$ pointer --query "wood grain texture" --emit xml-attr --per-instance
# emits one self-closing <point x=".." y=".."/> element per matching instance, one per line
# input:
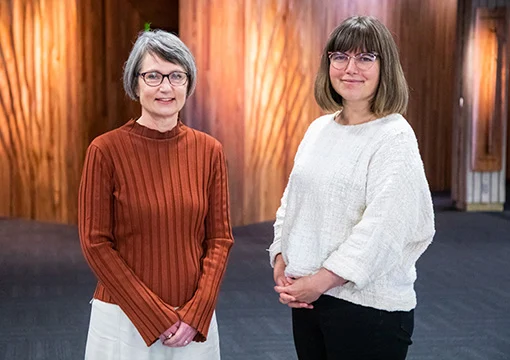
<point x="267" y="103"/>
<point x="490" y="92"/>
<point x="60" y="86"/>
<point x="468" y="185"/>
<point x="39" y="92"/>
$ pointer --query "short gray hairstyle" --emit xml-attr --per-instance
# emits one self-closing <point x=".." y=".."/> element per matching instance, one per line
<point x="165" y="45"/>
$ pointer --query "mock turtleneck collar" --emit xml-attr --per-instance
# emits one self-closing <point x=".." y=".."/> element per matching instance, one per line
<point x="136" y="128"/>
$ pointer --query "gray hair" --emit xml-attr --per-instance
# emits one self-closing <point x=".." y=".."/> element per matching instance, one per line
<point x="165" y="45"/>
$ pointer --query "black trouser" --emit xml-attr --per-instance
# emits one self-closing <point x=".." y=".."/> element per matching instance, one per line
<point x="339" y="330"/>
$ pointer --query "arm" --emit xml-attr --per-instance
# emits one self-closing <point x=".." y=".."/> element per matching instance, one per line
<point x="276" y="246"/>
<point x="398" y="214"/>
<point x="149" y="314"/>
<point x="218" y="240"/>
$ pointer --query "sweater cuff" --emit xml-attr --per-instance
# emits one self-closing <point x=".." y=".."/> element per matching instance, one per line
<point x="274" y="249"/>
<point x="151" y="335"/>
<point x="347" y="270"/>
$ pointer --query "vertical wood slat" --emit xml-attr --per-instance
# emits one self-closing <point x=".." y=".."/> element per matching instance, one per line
<point x="36" y="114"/>
<point x="489" y="90"/>
<point x="55" y="97"/>
<point x="215" y="35"/>
<point x="476" y="190"/>
<point x="281" y="41"/>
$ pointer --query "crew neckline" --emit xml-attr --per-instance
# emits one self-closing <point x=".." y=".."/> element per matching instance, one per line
<point x="135" y="128"/>
<point x="335" y="114"/>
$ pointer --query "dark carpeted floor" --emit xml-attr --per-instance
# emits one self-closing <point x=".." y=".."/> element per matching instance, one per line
<point x="463" y="293"/>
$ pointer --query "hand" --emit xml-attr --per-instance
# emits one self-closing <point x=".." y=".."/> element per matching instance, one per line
<point x="301" y="290"/>
<point x="169" y="332"/>
<point x="290" y="300"/>
<point x="307" y="289"/>
<point x="281" y="280"/>
<point x="279" y="271"/>
<point x="182" y="337"/>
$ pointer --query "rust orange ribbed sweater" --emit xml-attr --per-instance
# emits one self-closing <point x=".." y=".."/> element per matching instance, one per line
<point x="154" y="224"/>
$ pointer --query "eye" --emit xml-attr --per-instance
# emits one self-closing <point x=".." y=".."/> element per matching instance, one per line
<point x="154" y="75"/>
<point x="339" y="57"/>
<point x="367" y="57"/>
<point x="178" y="76"/>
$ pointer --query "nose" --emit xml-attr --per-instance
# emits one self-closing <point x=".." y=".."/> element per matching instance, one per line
<point x="165" y="84"/>
<point x="351" y="66"/>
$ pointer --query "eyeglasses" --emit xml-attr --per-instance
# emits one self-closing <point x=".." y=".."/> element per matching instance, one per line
<point x="155" y="78"/>
<point x="363" y="61"/>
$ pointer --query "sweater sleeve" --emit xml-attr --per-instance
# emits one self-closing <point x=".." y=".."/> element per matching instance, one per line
<point x="148" y="313"/>
<point x="198" y="311"/>
<point x="398" y="215"/>
<point x="276" y="246"/>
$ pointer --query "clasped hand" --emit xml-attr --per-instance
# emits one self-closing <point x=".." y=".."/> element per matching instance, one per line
<point x="303" y="291"/>
<point x="178" y="335"/>
<point x="296" y="293"/>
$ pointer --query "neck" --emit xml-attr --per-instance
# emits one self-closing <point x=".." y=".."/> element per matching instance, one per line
<point x="355" y="114"/>
<point x="159" y="124"/>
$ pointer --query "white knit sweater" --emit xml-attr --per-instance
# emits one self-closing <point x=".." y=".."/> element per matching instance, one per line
<point x="358" y="204"/>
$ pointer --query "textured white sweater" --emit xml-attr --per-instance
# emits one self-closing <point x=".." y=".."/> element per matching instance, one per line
<point x="358" y="204"/>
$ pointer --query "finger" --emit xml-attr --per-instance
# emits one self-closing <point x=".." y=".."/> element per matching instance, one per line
<point x="289" y="280"/>
<point x="176" y="339"/>
<point x="299" y="305"/>
<point x="287" y="297"/>
<point x="282" y="289"/>
<point x="280" y="281"/>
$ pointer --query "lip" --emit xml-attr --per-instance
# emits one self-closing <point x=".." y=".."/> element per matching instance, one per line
<point x="165" y="100"/>
<point x="352" y="81"/>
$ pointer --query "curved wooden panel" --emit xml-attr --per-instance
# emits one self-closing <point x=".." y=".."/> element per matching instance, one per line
<point x="39" y="92"/>
<point x="281" y="41"/>
<point x="60" y="86"/>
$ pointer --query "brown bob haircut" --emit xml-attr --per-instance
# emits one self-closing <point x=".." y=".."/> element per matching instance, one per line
<point x="365" y="34"/>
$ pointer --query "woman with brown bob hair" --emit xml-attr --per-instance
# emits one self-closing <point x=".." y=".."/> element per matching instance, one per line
<point x="357" y="211"/>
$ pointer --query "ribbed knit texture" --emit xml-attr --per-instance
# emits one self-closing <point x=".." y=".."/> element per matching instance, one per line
<point x="154" y="224"/>
<point x="358" y="204"/>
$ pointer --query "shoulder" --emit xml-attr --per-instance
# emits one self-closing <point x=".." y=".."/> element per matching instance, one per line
<point x="318" y="125"/>
<point x="395" y="124"/>
<point x="321" y="122"/>
<point x="394" y="128"/>
<point x="106" y="142"/>
<point x="203" y="139"/>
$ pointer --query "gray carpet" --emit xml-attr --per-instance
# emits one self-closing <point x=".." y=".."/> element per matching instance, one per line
<point x="463" y="293"/>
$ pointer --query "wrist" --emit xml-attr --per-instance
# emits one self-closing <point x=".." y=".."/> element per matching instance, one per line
<point x="327" y="280"/>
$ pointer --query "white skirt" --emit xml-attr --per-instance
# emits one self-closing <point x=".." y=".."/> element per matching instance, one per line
<point x="112" y="336"/>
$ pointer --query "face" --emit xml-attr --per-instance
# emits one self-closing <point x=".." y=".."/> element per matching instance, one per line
<point x="355" y="85"/>
<point x="162" y="102"/>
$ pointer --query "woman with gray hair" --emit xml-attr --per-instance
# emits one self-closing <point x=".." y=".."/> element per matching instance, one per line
<point x="154" y="219"/>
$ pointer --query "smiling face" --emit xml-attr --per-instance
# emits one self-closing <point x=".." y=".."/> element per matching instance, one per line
<point x="160" y="103"/>
<point x="355" y="85"/>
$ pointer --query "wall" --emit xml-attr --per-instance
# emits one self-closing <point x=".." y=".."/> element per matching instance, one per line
<point x="60" y="86"/>
<point x="257" y="62"/>
<point x="476" y="190"/>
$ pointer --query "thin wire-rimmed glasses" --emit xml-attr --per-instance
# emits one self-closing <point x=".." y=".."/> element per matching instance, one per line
<point x="155" y="78"/>
<point x="363" y="61"/>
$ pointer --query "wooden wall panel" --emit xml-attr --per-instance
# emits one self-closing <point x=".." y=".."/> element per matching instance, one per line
<point x="281" y="41"/>
<point x="473" y="190"/>
<point x="257" y="62"/>
<point x="60" y="86"/>
<point x="39" y="92"/>
<point x="215" y="35"/>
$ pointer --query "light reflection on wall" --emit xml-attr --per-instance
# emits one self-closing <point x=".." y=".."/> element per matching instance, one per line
<point x="489" y="48"/>
<point x="38" y="89"/>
